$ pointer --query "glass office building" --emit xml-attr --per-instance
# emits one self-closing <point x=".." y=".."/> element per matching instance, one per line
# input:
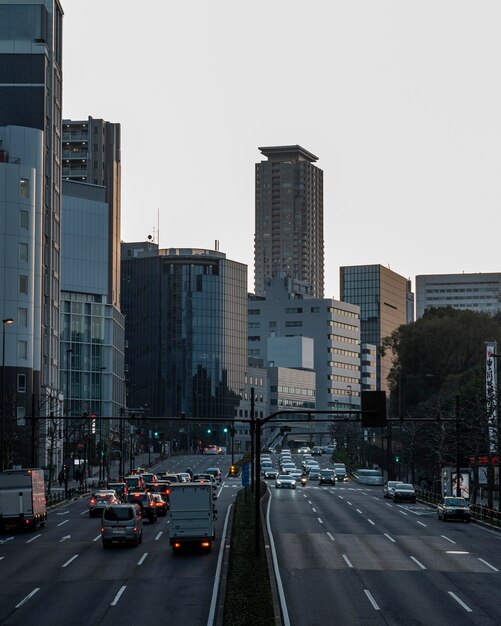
<point x="186" y="330"/>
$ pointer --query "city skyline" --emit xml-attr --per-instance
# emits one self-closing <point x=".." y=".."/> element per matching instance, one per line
<point x="398" y="102"/>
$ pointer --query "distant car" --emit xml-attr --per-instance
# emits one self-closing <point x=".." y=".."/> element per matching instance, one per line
<point x="120" y="489"/>
<point x="147" y="503"/>
<point x="185" y="477"/>
<point x="148" y="477"/>
<point x="296" y="474"/>
<point x="369" y="477"/>
<point x="340" y="471"/>
<point x="284" y="481"/>
<point x="270" y="472"/>
<point x="404" y="492"/>
<point x="210" y="450"/>
<point x="134" y="482"/>
<point x="304" y="450"/>
<point x="216" y="472"/>
<point x="160" y="504"/>
<point x="327" y="477"/>
<point x="314" y="473"/>
<point x="330" y="448"/>
<point x="453" y="508"/>
<point x="389" y="488"/>
<point x="206" y="477"/>
<point x="316" y="451"/>
<point x="121" y="523"/>
<point x="100" y="500"/>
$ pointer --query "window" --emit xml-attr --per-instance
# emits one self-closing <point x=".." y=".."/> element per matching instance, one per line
<point x="21" y="415"/>
<point x="22" y="318"/>
<point x="23" y="220"/>
<point x="23" y="284"/>
<point x="292" y="324"/>
<point x="254" y="311"/>
<point x="21" y="383"/>
<point x="23" y="252"/>
<point x="24" y="188"/>
<point x="22" y="349"/>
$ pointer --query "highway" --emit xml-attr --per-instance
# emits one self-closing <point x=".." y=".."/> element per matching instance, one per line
<point x="348" y="556"/>
<point x="61" y="575"/>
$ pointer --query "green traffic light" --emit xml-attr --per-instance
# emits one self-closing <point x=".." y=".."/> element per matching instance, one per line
<point x="209" y="431"/>
<point x="225" y="430"/>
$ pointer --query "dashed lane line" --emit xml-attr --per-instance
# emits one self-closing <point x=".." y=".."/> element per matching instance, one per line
<point x="460" y="602"/>
<point x="30" y="595"/>
<point x="347" y="560"/>
<point x="413" y="558"/>
<point x="488" y="565"/>
<point x="117" y="597"/>
<point x="371" y="599"/>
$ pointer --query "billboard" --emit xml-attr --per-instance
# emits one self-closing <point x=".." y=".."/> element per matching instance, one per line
<point x="449" y="482"/>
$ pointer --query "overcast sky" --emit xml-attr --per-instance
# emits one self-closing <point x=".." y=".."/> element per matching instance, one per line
<point x="400" y="101"/>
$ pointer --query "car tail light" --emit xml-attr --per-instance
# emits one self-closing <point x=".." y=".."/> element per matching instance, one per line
<point x="167" y="491"/>
<point x="93" y="500"/>
<point x="205" y="544"/>
<point x="177" y="545"/>
<point x="102" y="530"/>
<point x="135" y="529"/>
<point x="26" y="521"/>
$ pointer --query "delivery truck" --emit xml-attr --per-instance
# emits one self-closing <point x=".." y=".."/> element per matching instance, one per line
<point x="22" y="499"/>
<point x="192" y="515"/>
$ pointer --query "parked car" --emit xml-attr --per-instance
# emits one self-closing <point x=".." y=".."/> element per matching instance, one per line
<point x="389" y="488"/>
<point x="453" y="508"/>
<point x="404" y="492"/>
<point x="121" y="523"/>
<point x="284" y="481"/>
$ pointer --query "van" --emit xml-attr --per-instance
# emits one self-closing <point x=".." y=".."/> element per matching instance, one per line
<point x="122" y="523"/>
<point x="340" y="471"/>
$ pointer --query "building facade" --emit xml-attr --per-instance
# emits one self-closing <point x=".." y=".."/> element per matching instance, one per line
<point x="186" y="330"/>
<point x="476" y="292"/>
<point x="30" y="166"/>
<point x="289" y="226"/>
<point x="383" y="297"/>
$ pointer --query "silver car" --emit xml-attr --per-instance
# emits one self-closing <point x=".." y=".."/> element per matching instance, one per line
<point x="284" y="481"/>
<point x="122" y="523"/>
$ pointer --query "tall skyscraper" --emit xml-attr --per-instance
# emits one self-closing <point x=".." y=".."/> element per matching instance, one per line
<point x="30" y="208"/>
<point x="384" y="298"/>
<point x="289" y="231"/>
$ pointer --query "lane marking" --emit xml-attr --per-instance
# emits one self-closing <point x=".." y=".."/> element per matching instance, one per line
<point x="447" y="538"/>
<point x="349" y="503"/>
<point x="98" y="537"/>
<point x="1" y="558"/>
<point x="65" y="522"/>
<point x="141" y="560"/>
<point x="371" y="599"/>
<point x="117" y="597"/>
<point x="388" y="504"/>
<point x="330" y="536"/>
<point x="371" y="522"/>
<point x="488" y="565"/>
<point x="310" y="502"/>
<point x="413" y="558"/>
<point x="375" y="497"/>
<point x="348" y="562"/>
<point x="390" y="538"/>
<point x="84" y="513"/>
<point x="159" y="535"/>
<point x="70" y="560"/>
<point x="33" y="538"/>
<point x="313" y="509"/>
<point x="341" y="497"/>
<point x="456" y="552"/>
<point x="215" y="590"/>
<point x="358" y="511"/>
<point x="459" y="601"/>
<point x="30" y="595"/>
<point x="421" y="523"/>
<point x="319" y="520"/>
<point x="403" y="512"/>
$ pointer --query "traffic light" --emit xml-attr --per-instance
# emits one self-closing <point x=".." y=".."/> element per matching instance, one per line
<point x="225" y="430"/>
<point x="232" y="470"/>
<point x="209" y="431"/>
<point x="155" y="434"/>
<point x="397" y="458"/>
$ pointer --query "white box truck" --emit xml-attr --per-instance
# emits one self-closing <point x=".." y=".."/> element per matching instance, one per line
<point x="22" y="499"/>
<point x="192" y="515"/>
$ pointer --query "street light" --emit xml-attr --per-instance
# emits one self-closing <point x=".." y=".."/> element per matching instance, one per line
<point x="5" y="323"/>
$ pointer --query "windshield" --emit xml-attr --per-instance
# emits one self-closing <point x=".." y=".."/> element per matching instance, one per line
<point x="403" y="486"/>
<point x="327" y="473"/>
<point x="455" y="502"/>
<point x="118" y="514"/>
<point x="284" y="477"/>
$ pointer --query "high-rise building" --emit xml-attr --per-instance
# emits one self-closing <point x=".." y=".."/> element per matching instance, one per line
<point x="475" y="292"/>
<point x="30" y="212"/>
<point x="384" y="298"/>
<point x="186" y="329"/>
<point x="289" y="230"/>
<point x="92" y="155"/>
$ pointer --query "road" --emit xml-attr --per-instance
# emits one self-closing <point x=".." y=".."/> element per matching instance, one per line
<point x="61" y="575"/>
<point x="348" y="556"/>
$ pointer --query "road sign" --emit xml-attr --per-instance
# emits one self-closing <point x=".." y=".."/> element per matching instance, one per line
<point x="245" y="475"/>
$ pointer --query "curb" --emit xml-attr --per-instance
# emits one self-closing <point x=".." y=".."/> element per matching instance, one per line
<point x="219" y="617"/>
<point x="271" y="570"/>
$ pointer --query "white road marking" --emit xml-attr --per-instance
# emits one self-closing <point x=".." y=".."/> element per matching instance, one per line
<point x="444" y="537"/>
<point x="310" y="502"/>
<point x="375" y="497"/>
<point x="421" y="523"/>
<point x="33" y="538"/>
<point x="341" y="497"/>
<point x="348" y="562"/>
<point x="456" y="552"/>
<point x="459" y="601"/>
<point x="63" y="513"/>
<point x="371" y="522"/>
<point x="159" y="535"/>
<point x="117" y="597"/>
<point x="1" y="558"/>
<point x="371" y="599"/>
<point x="388" y="504"/>
<point x="84" y="512"/>
<point x="70" y="560"/>
<point x="64" y="538"/>
<point x="314" y="509"/>
<point x="358" y="511"/>
<point x="65" y="522"/>
<point x="488" y="565"/>
<point x="349" y="503"/>
<point x="215" y="590"/>
<point x="390" y="538"/>
<point x="141" y="560"/>
<point x="330" y="536"/>
<point x="319" y="520"/>
<point x="27" y="597"/>
<point x="98" y="537"/>
<point x="403" y="512"/>
<point x="413" y="558"/>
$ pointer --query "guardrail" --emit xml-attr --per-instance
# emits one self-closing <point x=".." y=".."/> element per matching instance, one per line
<point x="478" y="511"/>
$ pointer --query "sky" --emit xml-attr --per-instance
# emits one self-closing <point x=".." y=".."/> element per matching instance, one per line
<point x="400" y="101"/>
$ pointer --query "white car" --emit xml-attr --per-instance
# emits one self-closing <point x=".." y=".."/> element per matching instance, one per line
<point x="285" y="482"/>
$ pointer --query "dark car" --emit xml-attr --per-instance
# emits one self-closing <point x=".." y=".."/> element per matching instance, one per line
<point x="327" y="477"/>
<point x="122" y="523"/>
<point x="404" y="492"/>
<point x="453" y="508"/>
<point x="216" y="472"/>
<point x="121" y="489"/>
<point x="389" y="488"/>
<point x="134" y="482"/>
<point x="160" y="504"/>
<point x="314" y="473"/>
<point x="147" y="503"/>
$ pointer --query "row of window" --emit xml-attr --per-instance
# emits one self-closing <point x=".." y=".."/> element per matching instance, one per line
<point x="342" y="325"/>
<point x="298" y="391"/>
<point x="343" y="339"/>
<point x="313" y="309"/>
<point x="344" y="366"/>
<point x="343" y="392"/>
<point x="333" y="309"/>
<point x="342" y="352"/>
<point x="343" y="379"/>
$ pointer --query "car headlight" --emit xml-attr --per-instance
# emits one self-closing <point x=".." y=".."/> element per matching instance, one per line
<point x="279" y="482"/>
<point x="293" y="482"/>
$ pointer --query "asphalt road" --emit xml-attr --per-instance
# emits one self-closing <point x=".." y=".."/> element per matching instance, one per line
<point x="61" y="575"/>
<point x="348" y="556"/>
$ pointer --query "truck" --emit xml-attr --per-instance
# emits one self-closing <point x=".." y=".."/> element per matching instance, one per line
<point x="192" y="516"/>
<point x="22" y="499"/>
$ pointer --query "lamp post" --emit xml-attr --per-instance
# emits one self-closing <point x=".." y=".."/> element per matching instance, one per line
<point x="66" y="425"/>
<point x="5" y="323"/>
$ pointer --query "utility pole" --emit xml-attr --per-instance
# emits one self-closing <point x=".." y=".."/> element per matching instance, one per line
<point x="252" y="434"/>
<point x="458" y="464"/>
<point x="257" y="491"/>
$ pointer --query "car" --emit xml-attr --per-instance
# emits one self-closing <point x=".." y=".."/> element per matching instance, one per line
<point x="270" y="472"/>
<point x="389" y="488"/>
<point x="147" y="503"/>
<point x="330" y="448"/>
<point x="135" y="482"/>
<point x="160" y="504"/>
<point x="216" y="472"/>
<point x="185" y="477"/>
<point x="288" y="468"/>
<point x="404" y="492"/>
<point x="121" y="523"/>
<point x="163" y="488"/>
<point x="211" y="449"/>
<point x="100" y="500"/>
<point x="369" y="477"/>
<point x="283" y="481"/>
<point x="304" y="450"/>
<point x="171" y="478"/>
<point x="296" y="474"/>
<point x="120" y="489"/>
<point x="206" y="478"/>
<point x="316" y="451"/>
<point x="327" y="477"/>
<point x="149" y="477"/>
<point x="453" y="507"/>
<point x="314" y="473"/>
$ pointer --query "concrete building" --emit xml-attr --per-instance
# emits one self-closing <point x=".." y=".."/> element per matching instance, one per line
<point x="384" y="298"/>
<point x="30" y="217"/>
<point x="476" y="292"/>
<point x="289" y="237"/>
<point x="186" y="330"/>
